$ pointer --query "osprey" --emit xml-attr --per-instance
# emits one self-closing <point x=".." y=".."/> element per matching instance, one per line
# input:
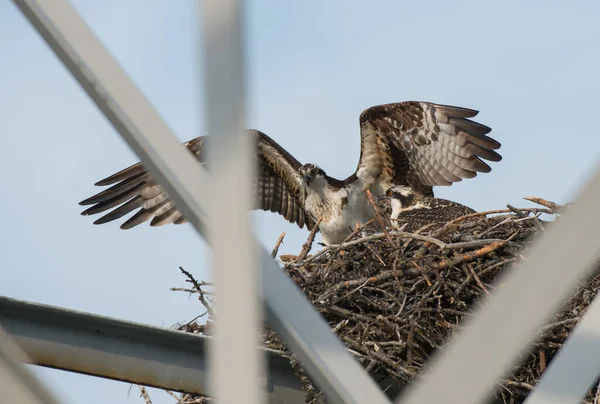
<point x="413" y="211"/>
<point x="416" y="144"/>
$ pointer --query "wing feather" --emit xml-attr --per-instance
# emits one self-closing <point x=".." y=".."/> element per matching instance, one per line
<point x="277" y="189"/>
<point x="421" y="144"/>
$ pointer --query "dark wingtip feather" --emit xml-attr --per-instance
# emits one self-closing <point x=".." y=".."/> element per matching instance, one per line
<point x="460" y="112"/>
<point x="121" y="211"/>
<point x="103" y="220"/>
<point x="121" y="175"/>
<point x="471" y="127"/>
<point x="88" y="211"/>
<point x="109" y="199"/>
<point x="479" y="165"/>
<point x="140" y="217"/>
<point x="88" y="201"/>
<point x="491" y="156"/>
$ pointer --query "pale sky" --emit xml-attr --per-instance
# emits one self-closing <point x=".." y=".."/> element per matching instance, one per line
<point x="530" y="68"/>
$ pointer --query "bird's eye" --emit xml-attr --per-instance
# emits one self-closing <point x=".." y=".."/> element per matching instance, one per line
<point x="390" y="193"/>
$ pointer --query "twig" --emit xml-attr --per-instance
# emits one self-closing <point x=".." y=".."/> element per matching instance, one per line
<point x="597" y="395"/>
<point x="481" y="285"/>
<point x="376" y="255"/>
<point x="542" y="361"/>
<point x="555" y="207"/>
<point x="519" y="384"/>
<point x="522" y="215"/>
<point x="420" y="270"/>
<point x="378" y="215"/>
<point x="493" y="212"/>
<point x="518" y="211"/>
<point x="277" y="245"/>
<point x="353" y="291"/>
<point x="169" y="392"/>
<point x="144" y="394"/>
<point x="550" y="326"/>
<point x="494" y="227"/>
<point x="311" y="395"/>
<point x="406" y="374"/>
<point x="471" y="256"/>
<point x="198" y="287"/>
<point x="308" y="245"/>
<point x="188" y="290"/>
<point x="357" y="230"/>
<point x="461" y="287"/>
<point x="439" y="243"/>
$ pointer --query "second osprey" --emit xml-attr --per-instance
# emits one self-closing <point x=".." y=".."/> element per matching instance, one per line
<point x="415" y="144"/>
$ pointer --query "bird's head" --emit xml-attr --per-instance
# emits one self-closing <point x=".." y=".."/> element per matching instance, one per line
<point x="399" y="197"/>
<point x="311" y="173"/>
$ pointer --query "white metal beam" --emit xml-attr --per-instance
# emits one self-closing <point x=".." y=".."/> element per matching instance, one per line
<point x="294" y="318"/>
<point x="575" y="367"/>
<point x="492" y="341"/>
<point x="17" y="384"/>
<point x="234" y="354"/>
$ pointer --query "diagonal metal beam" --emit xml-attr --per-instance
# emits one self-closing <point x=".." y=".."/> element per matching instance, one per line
<point x="530" y="294"/>
<point x="17" y="384"/>
<point x="293" y="317"/>
<point x="233" y="355"/>
<point x="575" y="367"/>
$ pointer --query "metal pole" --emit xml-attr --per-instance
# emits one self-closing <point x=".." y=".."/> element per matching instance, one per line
<point x="235" y="358"/>
<point x="575" y="367"/>
<point x="306" y="333"/>
<point x="17" y="384"/>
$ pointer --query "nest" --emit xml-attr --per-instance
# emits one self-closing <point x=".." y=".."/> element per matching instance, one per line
<point x="396" y="298"/>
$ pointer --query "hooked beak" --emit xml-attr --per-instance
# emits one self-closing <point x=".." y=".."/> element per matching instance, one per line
<point x="306" y="179"/>
<point x="384" y="201"/>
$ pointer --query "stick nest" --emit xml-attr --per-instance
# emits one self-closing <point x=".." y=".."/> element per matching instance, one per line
<point x="397" y="299"/>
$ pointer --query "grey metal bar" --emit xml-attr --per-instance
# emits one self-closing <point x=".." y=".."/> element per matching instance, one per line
<point x="293" y="317"/>
<point x="122" y="350"/>
<point x="491" y="342"/>
<point x="575" y="367"/>
<point x="17" y="384"/>
<point x="235" y="358"/>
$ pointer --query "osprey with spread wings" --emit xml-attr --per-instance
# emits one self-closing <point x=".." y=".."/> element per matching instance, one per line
<point x="415" y="144"/>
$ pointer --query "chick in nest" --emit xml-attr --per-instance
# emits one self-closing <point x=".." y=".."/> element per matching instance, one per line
<point x="411" y="210"/>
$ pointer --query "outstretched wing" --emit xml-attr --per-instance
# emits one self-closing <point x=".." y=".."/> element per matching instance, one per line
<point x="422" y="145"/>
<point x="277" y="189"/>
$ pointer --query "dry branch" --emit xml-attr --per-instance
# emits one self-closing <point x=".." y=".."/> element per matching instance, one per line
<point x="277" y="245"/>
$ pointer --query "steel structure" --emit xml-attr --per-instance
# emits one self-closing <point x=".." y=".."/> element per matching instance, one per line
<point x="136" y="353"/>
<point x="464" y="373"/>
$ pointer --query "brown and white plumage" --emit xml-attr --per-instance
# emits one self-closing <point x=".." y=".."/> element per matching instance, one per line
<point x="411" y="210"/>
<point x="277" y="188"/>
<point x="421" y="145"/>
<point x="416" y="144"/>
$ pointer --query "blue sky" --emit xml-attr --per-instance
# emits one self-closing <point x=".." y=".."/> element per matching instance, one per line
<point x="313" y="66"/>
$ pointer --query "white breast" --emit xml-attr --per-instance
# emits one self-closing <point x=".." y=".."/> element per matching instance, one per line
<point x="337" y="226"/>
